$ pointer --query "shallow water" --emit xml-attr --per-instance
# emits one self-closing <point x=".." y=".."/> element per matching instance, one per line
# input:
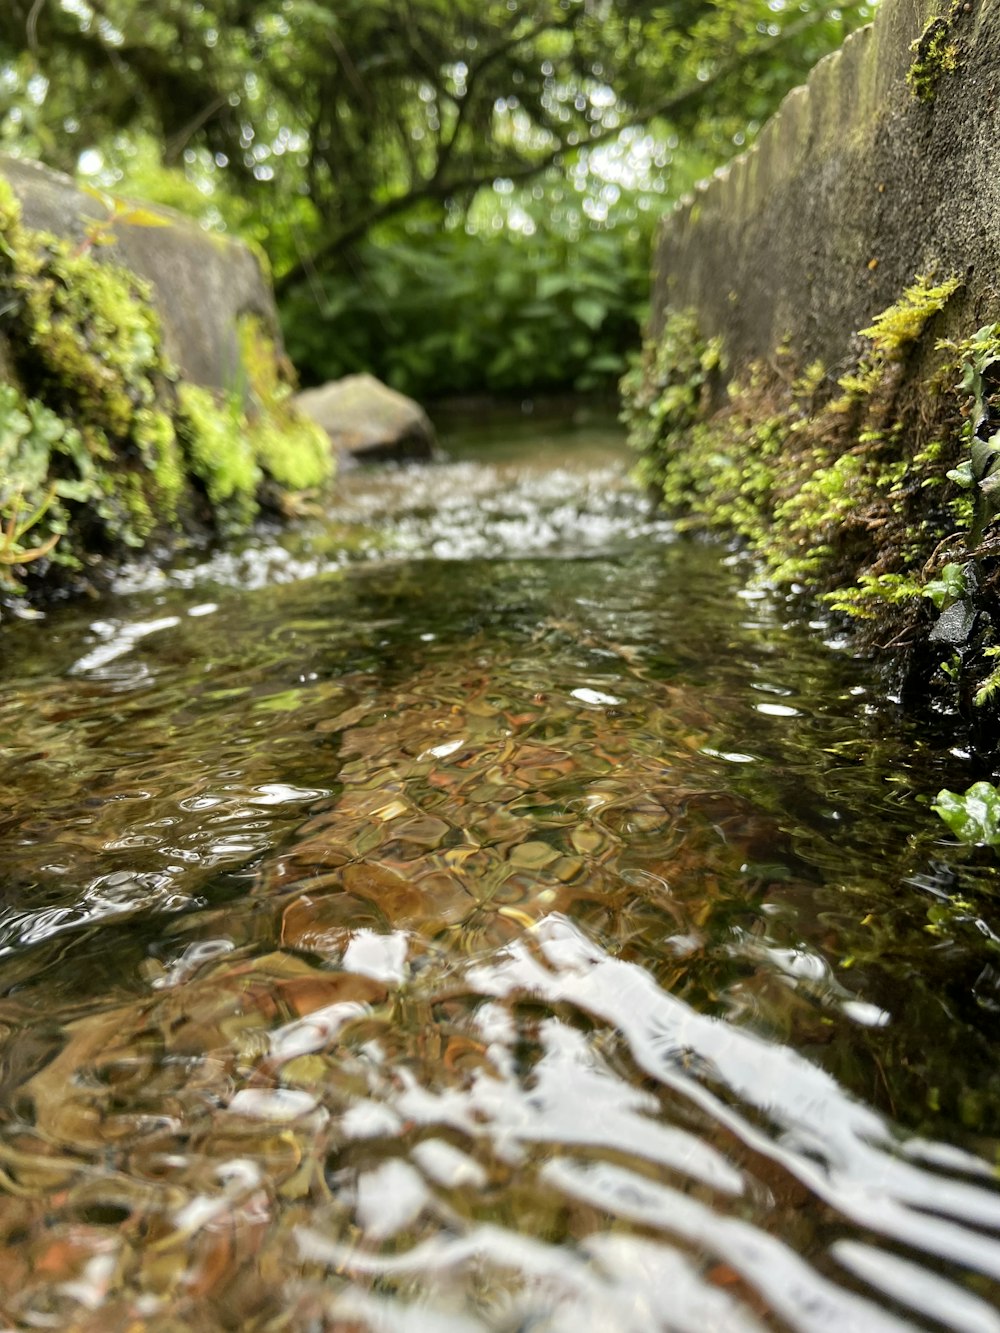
<point x="483" y="909"/>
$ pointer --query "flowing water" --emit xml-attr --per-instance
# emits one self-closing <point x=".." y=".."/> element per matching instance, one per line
<point x="483" y="909"/>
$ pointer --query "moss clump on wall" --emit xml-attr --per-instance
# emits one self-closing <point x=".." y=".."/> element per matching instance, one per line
<point x="102" y="450"/>
<point x="936" y="54"/>
<point x="877" y="491"/>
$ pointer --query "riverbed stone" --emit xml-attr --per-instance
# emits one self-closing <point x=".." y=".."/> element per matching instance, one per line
<point x="367" y="421"/>
<point x="203" y="283"/>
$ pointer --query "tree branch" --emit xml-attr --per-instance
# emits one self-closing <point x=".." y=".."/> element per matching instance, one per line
<point x="440" y="186"/>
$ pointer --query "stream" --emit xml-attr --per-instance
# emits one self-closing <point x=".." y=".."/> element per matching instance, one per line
<point x="483" y="908"/>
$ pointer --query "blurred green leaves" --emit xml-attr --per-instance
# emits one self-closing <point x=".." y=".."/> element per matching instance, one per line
<point x="353" y="140"/>
<point x="438" y="312"/>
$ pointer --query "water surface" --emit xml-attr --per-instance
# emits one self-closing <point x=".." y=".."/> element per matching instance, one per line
<point x="481" y="909"/>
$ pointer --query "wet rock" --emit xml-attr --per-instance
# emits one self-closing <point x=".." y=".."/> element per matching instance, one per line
<point x="368" y="421"/>
<point x="202" y="283"/>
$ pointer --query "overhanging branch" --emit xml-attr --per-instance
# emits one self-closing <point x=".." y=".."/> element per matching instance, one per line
<point x="440" y="185"/>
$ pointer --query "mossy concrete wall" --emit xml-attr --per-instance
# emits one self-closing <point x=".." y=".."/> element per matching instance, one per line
<point x="853" y="188"/>
<point x="202" y="283"/>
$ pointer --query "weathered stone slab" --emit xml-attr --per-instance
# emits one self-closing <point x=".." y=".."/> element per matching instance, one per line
<point x="202" y="282"/>
<point x="852" y="189"/>
<point x="368" y="421"/>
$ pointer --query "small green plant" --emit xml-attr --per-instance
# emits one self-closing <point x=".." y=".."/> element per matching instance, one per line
<point x="973" y="816"/>
<point x="12" y="549"/>
<point x="664" y="395"/>
<point x="30" y="501"/>
<point x="949" y="587"/>
<point x="991" y="684"/>
<point x="980" y="472"/>
<point x="101" y="231"/>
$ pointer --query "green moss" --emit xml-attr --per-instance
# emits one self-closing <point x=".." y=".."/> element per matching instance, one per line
<point x="855" y="491"/>
<point x="289" y="448"/>
<point x="10" y="221"/>
<point x="935" y="54"/>
<point x="895" y="330"/>
<point x="219" y="453"/>
<point x="156" y="438"/>
<point x="96" y="338"/>
<point x="868" y="598"/>
<point x="86" y="343"/>
<point x="801" y="479"/>
<point x="879" y="493"/>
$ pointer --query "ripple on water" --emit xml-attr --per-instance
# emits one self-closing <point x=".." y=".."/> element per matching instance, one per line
<point x="494" y="944"/>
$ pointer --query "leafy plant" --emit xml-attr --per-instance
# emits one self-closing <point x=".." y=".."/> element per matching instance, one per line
<point x="973" y="816"/>
<point x="434" y="312"/>
<point x="949" y="587"/>
<point x="30" y="502"/>
<point x="101" y="231"/>
<point x="980" y="472"/>
<point x="12" y="551"/>
<point x="664" y="394"/>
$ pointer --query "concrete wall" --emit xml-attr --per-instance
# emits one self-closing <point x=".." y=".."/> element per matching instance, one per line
<point x="851" y="189"/>
<point x="202" y="282"/>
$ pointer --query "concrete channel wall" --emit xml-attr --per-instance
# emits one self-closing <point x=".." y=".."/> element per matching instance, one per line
<point x="853" y="188"/>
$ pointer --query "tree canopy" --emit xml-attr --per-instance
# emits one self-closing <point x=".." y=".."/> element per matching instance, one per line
<point x="313" y="123"/>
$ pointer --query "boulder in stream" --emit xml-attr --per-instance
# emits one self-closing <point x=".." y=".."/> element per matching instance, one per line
<point x="368" y="421"/>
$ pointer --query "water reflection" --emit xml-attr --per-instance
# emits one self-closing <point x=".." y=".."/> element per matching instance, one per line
<point x="483" y="943"/>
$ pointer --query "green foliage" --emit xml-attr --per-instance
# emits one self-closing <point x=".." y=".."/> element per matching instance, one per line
<point x="861" y="499"/>
<point x="665" y="392"/>
<point x="312" y="127"/>
<point x="86" y="345"/>
<point x="979" y="473"/>
<point x="949" y="587"/>
<point x="804" y="482"/>
<point x="989" y="687"/>
<point x="973" y="816"/>
<point x="29" y="501"/>
<point x="435" y="312"/>
<point x="868" y="598"/>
